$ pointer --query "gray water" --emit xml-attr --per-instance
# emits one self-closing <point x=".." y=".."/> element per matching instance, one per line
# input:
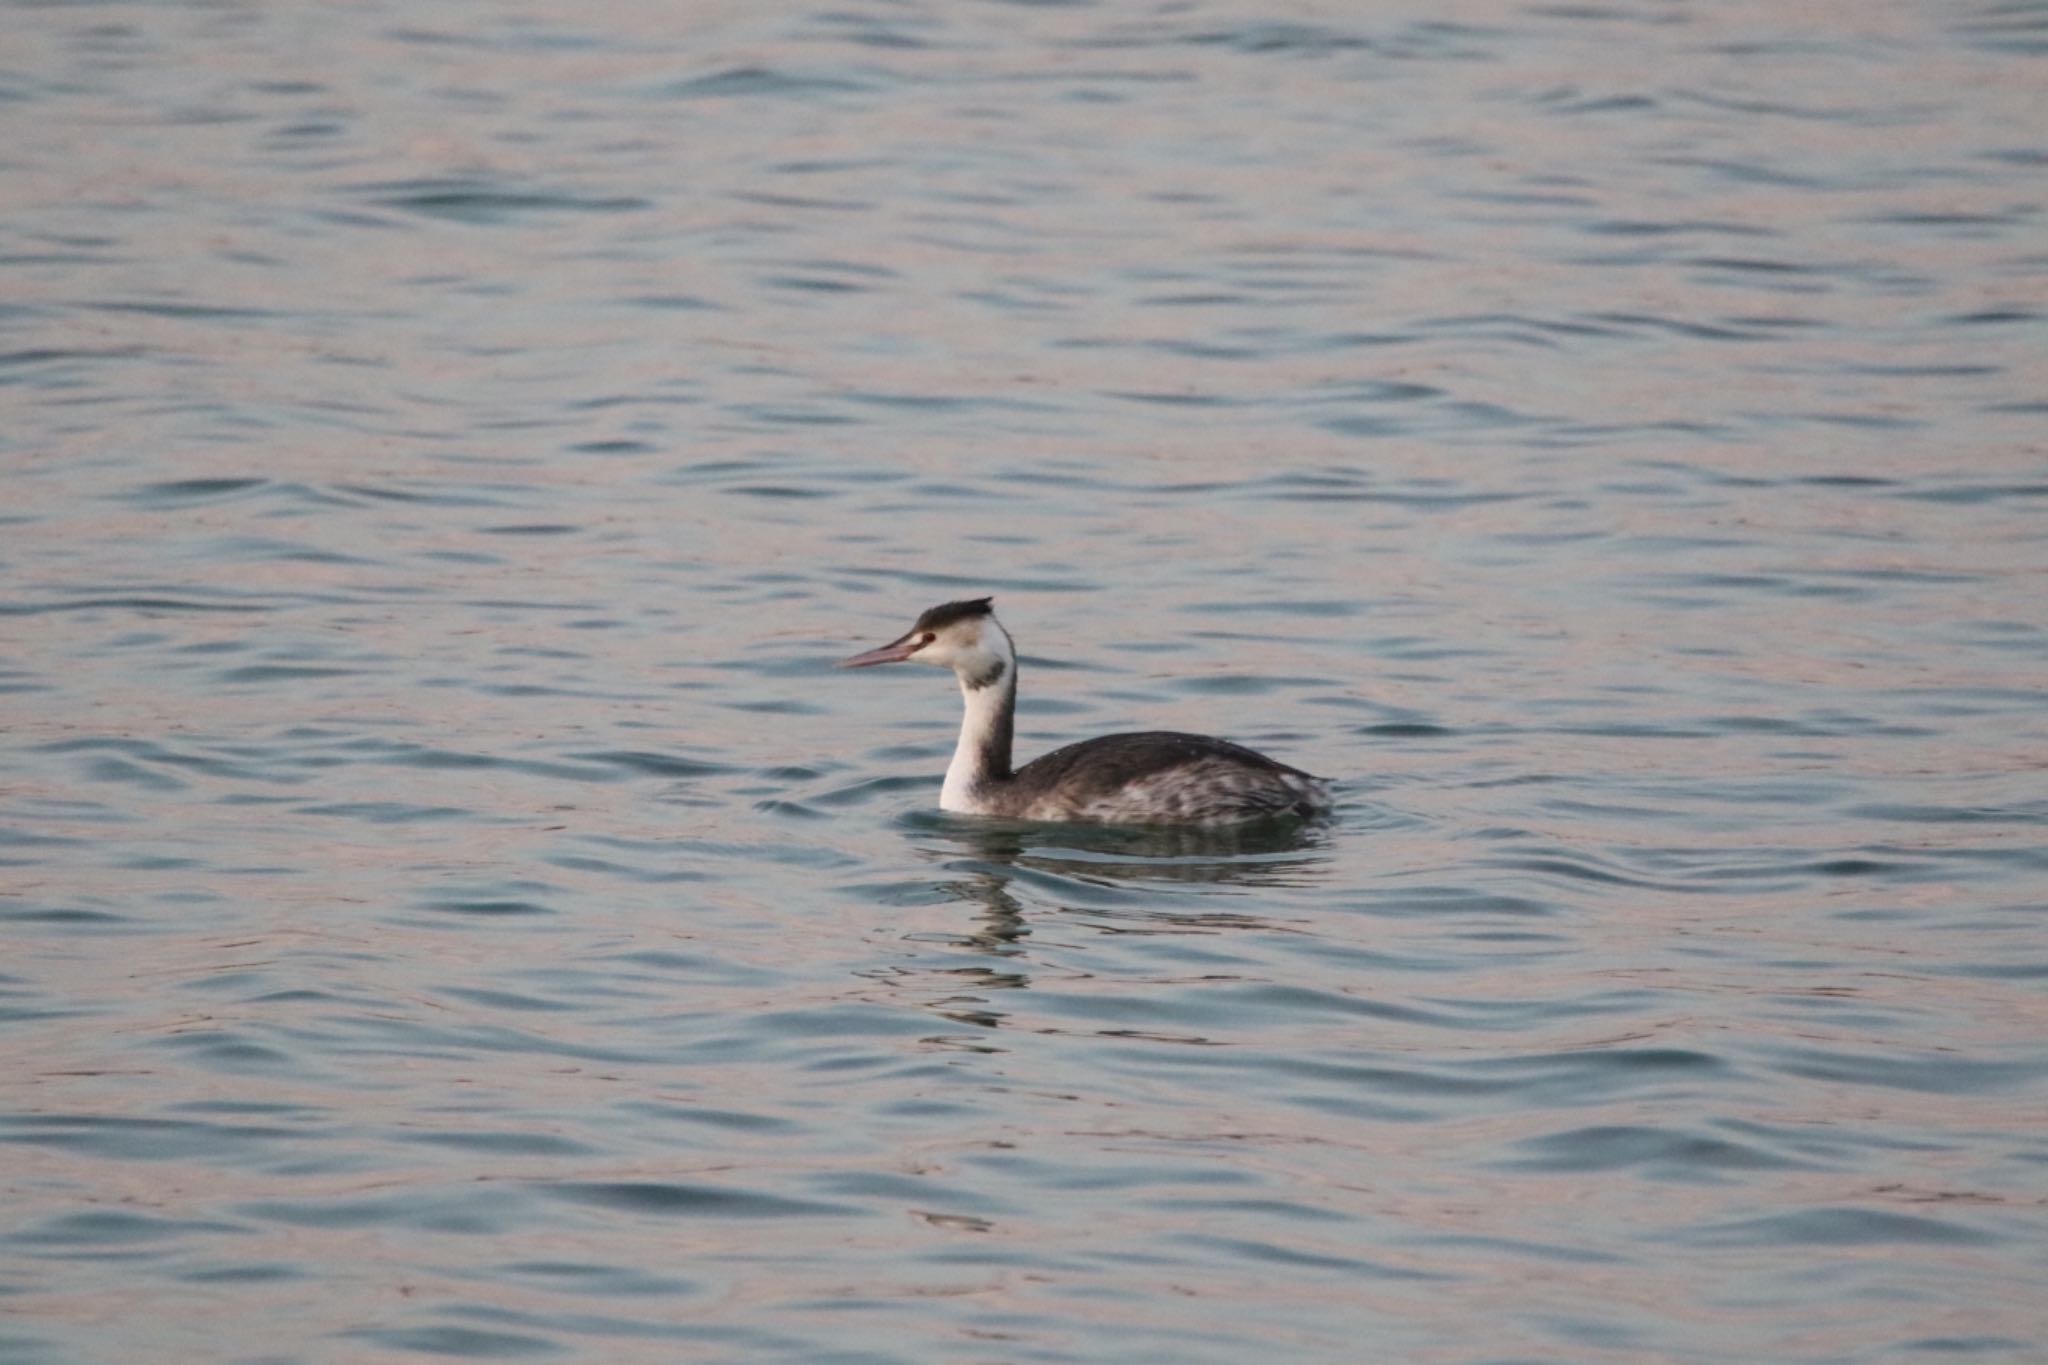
<point x="452" y="908"/>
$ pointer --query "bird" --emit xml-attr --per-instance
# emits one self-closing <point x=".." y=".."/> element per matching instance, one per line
<point x="1152" y="777"/>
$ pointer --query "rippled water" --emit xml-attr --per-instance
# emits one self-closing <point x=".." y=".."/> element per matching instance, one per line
<point x="452" y="909"/>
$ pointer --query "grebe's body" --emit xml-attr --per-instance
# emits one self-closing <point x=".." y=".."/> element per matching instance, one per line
<point x="1158" y="777"/>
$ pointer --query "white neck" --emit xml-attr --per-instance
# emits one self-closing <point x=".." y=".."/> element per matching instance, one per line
<point x="981" y="760"/>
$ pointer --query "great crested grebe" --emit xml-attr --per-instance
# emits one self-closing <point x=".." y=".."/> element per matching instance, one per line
<point x="1157" y="777"/>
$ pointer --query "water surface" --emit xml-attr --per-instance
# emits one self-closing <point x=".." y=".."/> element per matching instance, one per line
<point x="451" y="907"/>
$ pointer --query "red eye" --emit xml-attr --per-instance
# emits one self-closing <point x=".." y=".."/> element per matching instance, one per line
<point x="929" y="637"/>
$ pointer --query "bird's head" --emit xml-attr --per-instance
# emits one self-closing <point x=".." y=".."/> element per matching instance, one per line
<point x="962" y="636"/>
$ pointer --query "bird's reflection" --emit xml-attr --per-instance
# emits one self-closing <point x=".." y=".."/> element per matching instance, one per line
<point x="1269" y="853"/>
<point x="1090" y="860"/>
<point x="999" y="915"/>
<point x="1122" y="879"/>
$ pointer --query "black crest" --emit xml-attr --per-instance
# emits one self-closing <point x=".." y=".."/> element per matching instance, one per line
<point x="938" y="618"/>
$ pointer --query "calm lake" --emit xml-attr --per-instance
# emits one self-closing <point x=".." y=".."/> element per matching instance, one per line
<point x="451" y="907"/>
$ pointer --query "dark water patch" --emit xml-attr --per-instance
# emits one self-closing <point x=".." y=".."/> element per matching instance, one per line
<point x="402" y="753"/>
<point x="26" y="366"/>
<point x="1994" y="317"/>
<point x="1530" y="1250"/>
<point x="270" y="549"/>
<point x="1405" y="730"/>
<point x="1289" y="1210"/>
<point x="502" y="999"/>
<point x="1658" y="1153"/>
<point x="861" y="793"/>
<point x="113" y="1230"/>
<point x="2009" y="27"/>
<point x="1691" y="329"/>
<point x="492" y="909"/>
<point x="1866" y="115"/>
<point x="420" y="493"/>
<point x="989" y="581"/>
<point x="139" y="1139"/>
<point x="231" y="1051"/>
<point x="650" y="764"/>
<point x="668" y="965"/>
<point x="946" y="404"/>
<point x="735" y="1120"/>
<point x="675" y="303"/>
<point x="1179" y="399"/>
<point x="487" y="201"/>
<point x="790" y="810"/>
<point x="757" y="82"/>
<point x="120" y="770"/>
<point x="148" y="605"/>
<point x="490" y="1208"/>
<point x="1965" y="1345"/>
<point x="1243" y="684"/>
<point x="2031" y="813"/>
<point x="1279" y="37"/>
<point x="2028" y="970"/>
<point x="528" y="605"/>
<point x="1543" y="333"/>
<point x="61" y="916"/>
<point x="420" y="1038"/>
<point x="518" y="1334"/>
<point x="182" y="491"/>
<point x="1110" y="849"/>
<point x="1275" y="1001"/>
<point x="1567" y="1078"/>
<point x="1651" y="227"/>
<point x="1061" y="883"/>
<point x="1873" y="421"/>
<point x="1576" y="1076"/>
<point x="1571" y="101"/>
<point x="1436" y="901"/>
<point x="505" y="1144"/>
<point x="469" y="1343"/>
<point x="780" y="708"/>
<point x="616" y="446"/>
<point x="835" y="1024"/>
<point x="1803" y="869"/>
<point x="1571" y="867"/>
<point x="650" y="876"/>
<point x="1436" y="495"/>
<point x="1938" y="1073"/>
<point x="163" y="308"/>
<point x="259" y="674"/>
<point x="386" y="812"/>
<point x="243" y="1272"/>
<point x="1972" y="494"/>
<point x="780" y="491"/>
<point x="1751" y="173"/>
<point x="1316" y="608"/>
<point x="1450" y="416"/>
<point x="1838" y="1227"/>
<point x="676" y="1200"/>
<point x="893" y="1189"/>
<point x="1301" y="1259"/>
<point x="816" y="284"/>
<point x="29" y="1014"/>
<point x="593" y="1278"/>
<point x="679" y="848"/>
<point x="226" y="762"/>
